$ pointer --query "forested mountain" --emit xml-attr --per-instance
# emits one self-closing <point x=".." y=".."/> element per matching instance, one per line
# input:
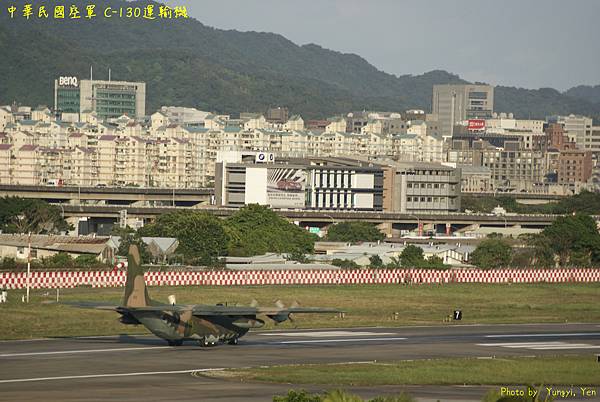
<point x="187" y="63"/>
<point x="585" y="92"/>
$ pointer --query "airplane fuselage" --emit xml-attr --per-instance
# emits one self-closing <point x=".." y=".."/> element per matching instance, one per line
<point x="176" y="327"/>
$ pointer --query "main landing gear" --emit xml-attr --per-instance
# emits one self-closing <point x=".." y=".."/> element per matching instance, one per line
<point x="205" y="343"/>
<point x="233" y="341"/>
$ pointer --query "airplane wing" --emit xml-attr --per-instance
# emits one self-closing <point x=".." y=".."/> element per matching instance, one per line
<point x="92" y="305"/>
<point x="206" y="310"/>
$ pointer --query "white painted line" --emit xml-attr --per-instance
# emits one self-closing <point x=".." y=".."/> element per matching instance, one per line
<point x="542" y="345"/>
<point x="342" y="340"/>
<point x="67" y="352"/>
<point x="75" y="377"/>
<point x="325" y="334"/>
<point x="550" y="335"/>
<point x="521" y="344"/>
<point x="568" y="346"/>
<point x="74" y="337"/>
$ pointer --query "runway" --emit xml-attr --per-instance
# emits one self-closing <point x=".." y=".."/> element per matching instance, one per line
<point x="136" y="368"/>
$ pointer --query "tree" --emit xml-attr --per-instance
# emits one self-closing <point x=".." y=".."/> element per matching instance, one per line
<point x="354" y="232"/>
<point x="574" y="240"/>
<point x="256" y="229"/>
<point x="23" y="215"/>
<point x="412" y="256"/>
<point x="298" y="256"/>
<point x="202" y="237"/>
<point x="128" y="236"/>
<point x="395" y="262"/>
<point x="435" y="262"/>
<point x="492" y="253"/>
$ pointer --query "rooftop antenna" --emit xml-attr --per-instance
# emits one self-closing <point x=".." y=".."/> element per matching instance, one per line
<point x="109" y="74"/>
<point x="91" y="73"/>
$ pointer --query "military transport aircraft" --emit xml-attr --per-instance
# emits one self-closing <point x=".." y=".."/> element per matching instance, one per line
<point x="175" y="323"/>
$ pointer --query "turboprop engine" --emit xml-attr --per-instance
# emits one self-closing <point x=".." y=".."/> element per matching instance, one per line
<point x="249" y="323"/>
<point x="283" y="316"/>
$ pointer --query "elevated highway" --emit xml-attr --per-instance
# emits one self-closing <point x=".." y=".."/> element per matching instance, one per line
<point x="110" y="195"/>
<point x="393" y="220"/>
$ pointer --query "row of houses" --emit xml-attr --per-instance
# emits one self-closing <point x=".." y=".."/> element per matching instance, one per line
<point x="105" y="249"/>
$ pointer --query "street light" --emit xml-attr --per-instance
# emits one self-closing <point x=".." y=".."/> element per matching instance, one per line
<point x="330" y="217"/>
<point x="419" y="231"/>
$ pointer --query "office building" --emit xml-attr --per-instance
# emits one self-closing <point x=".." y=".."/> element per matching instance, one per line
<point x="456" y="103"/>
<point x="417" y="187"/>
<point x="305" y="183"/>
<point x="108" y="99"/>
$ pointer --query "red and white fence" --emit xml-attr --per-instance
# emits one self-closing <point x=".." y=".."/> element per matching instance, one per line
<point x="70" y="279"/>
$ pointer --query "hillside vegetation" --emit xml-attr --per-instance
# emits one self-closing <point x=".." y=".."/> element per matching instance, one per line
<point x="185" y="62"/>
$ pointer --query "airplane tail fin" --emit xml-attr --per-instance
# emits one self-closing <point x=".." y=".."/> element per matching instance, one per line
<point x="136" y="293"/>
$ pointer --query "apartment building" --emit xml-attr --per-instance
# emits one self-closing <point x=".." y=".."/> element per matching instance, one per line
<point x="578" y="129"/>
<point x="6" y="163"/>
<point x="574" y="166"/>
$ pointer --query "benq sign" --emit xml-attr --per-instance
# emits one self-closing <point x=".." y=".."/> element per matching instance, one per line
<point x="68" y="82"/>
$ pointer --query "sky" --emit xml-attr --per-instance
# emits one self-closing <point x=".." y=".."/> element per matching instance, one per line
<point x="524" y="43"/>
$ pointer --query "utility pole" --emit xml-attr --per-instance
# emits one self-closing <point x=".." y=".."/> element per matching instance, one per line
<point x="28" y="266"/>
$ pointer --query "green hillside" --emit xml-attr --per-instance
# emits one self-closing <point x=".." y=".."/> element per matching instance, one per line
<point x="187" y="63"/>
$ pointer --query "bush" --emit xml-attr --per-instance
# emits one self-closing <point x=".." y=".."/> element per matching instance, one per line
<point x="86" y="261"/>
<point x="375" y="261"/>
<point x="346" y="264"/>
<point x="59" y="260"/>
<point x="297" y="396"/>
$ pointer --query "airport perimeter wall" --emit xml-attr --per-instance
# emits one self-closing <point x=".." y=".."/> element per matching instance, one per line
<point x="99" y="278"/>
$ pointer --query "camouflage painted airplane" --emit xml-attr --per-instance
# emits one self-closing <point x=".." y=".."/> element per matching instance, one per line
<point x="206" y="324"/>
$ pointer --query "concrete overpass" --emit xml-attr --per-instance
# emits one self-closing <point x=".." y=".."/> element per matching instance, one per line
<point x="122" y="196"/>
<point x="522" y="198"/>
<point x="390" y="222"/>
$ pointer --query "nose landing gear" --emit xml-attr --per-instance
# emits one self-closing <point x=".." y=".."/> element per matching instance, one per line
<point x="205" y="343"/>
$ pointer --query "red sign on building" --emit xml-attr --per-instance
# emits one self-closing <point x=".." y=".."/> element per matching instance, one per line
<point x="476" y="125"/>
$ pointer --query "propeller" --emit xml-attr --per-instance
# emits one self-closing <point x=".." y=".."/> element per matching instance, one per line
<point x="291" y="315"/>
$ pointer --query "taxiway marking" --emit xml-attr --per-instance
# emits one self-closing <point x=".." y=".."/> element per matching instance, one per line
<point x="542" y="345"/>
<point x="543" y="335"/>
<point x="76" y="377"/>
<point x="340" y="340"/>
<point x="325" y="334"/>
<point x="66" y="352"/>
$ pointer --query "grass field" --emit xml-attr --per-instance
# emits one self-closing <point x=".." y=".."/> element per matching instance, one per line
<point x="365" y="305"/>
<point x="572" y="370"/>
